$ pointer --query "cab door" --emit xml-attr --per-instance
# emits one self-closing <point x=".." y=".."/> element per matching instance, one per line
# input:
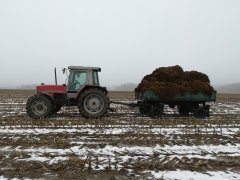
<point x="76" y="80"/>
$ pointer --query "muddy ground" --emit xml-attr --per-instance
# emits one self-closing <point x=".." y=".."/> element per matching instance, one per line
<point x="122" y="145"/>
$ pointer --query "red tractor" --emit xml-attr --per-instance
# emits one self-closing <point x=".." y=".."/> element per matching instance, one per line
<point x="82" y="90"/>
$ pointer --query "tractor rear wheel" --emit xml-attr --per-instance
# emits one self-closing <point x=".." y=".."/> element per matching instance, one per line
<point x="39" y="106"/>
<point x="93" y="103"/>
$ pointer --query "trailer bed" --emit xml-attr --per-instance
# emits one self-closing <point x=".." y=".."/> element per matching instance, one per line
<point x="182" y="97"/>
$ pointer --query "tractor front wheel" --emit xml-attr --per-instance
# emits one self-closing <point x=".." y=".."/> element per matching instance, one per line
<point x="93" y="103"/>
<point x="39" y="106"/>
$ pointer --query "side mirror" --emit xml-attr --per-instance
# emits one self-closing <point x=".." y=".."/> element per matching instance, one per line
<point x="64" y="70"/>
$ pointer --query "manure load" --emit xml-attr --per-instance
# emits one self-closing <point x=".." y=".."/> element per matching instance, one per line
<point x="172" y="86"/>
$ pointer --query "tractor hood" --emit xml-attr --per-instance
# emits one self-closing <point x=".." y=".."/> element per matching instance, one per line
<point x="51" y="89"/>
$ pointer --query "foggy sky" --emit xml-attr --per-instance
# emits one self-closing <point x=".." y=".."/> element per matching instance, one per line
<point x="127" y="38"/>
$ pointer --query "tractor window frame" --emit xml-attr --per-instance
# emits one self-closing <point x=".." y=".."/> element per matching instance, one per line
<point x="95" y="77"/>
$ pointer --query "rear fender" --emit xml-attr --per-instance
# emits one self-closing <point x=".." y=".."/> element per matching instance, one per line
<point x="86" y="87"/>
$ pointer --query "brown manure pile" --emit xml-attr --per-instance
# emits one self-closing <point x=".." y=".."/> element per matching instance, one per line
<point x="172" y="80"/>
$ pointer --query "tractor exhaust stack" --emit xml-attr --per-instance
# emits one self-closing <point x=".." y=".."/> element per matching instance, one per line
<point x="55" y="72"/>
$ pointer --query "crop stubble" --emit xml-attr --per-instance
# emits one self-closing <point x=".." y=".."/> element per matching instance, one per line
<point x="123" y="144"/>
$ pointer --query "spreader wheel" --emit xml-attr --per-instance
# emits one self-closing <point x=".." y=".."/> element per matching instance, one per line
<point x="201" y="112"/>
<point x="144" y="109"/>
<point x="156" y="112"/>
<point x="183" y="110"/>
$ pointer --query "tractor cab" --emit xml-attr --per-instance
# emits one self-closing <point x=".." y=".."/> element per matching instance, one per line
<point x="80" y="76"/>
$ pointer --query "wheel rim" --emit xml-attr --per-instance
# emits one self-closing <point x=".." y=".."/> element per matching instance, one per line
<point x="39" y="107"/>
<point x="93" y="104"/>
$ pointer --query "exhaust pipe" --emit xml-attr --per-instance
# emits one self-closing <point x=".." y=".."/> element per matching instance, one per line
<point x="55" y="72"/>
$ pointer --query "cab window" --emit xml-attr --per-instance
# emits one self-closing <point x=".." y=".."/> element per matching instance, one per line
<point x="78" y="79"/>
<point x="95" y="78"/>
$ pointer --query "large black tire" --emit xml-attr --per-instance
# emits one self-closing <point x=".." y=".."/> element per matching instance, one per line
<point x="93" y="103"/>
<point x="144" y="109"/>
<point x="39" y="106"/>
<point x="183" y="110"/>
<point x="201" y="112"/>
<point x="156" y="112"/>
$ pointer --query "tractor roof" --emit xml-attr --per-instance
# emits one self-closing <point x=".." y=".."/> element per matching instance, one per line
<point x="84" y="68"/>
